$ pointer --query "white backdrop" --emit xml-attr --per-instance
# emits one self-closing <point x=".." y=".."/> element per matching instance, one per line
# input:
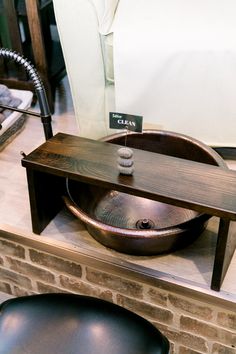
<point x="175" y="64"/>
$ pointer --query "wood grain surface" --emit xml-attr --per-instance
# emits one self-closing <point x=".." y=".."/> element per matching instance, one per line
<point x="176" y="181"/>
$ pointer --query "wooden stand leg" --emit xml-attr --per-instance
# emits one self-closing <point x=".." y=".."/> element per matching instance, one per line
<point x="45" y="193"/>
<point x="225" y="247"/>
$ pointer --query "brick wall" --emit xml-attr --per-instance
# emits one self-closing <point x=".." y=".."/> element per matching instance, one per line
<point x="192" y="326"/>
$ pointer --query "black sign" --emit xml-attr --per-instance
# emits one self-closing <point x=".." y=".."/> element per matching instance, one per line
<point x="126" y="121"/>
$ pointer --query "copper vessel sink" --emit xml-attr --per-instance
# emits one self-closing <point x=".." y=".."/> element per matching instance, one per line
<point x="136" y="225"/>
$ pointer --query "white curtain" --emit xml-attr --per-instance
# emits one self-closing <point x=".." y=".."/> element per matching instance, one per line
<point x="175" y="64"/>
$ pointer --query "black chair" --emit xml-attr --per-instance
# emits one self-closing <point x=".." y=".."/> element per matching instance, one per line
<point x="74" y="324"/>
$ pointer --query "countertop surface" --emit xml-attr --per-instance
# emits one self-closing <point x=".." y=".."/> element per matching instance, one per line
<point x="191" y="266"/>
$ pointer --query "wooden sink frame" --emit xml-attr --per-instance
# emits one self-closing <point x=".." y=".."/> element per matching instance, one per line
<point x="193" y="185"/>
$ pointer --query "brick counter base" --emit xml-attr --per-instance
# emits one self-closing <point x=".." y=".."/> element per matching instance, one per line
<point x="192" y="326"/>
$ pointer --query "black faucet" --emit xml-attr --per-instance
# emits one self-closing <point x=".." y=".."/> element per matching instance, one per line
<point x="45" y="113"/>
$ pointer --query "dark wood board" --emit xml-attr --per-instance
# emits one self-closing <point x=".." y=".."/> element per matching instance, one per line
<point x="176" y="181"/>
<point x="201" y="187"/>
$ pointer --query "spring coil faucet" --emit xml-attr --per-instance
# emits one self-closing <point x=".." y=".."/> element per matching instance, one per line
<point x="45" y="113"/>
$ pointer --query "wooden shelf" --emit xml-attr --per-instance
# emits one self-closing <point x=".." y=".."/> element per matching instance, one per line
<point x="201" y="187"/>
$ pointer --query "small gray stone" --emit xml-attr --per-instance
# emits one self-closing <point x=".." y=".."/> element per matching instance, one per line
<point x="125" y="162"/>
<point x="126" y="170"/>
<point x="125" y="152"/>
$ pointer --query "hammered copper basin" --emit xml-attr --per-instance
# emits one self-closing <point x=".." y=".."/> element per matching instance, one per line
<point x="136" y="225"/>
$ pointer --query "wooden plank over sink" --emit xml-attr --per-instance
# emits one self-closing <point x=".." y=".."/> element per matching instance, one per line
<point x="198" y="186"/>
<point x="184" y="183"/>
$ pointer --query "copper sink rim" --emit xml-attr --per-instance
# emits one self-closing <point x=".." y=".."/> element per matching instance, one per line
<point x="219" y="160"/>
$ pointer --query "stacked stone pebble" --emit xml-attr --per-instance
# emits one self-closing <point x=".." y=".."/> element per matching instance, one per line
<point x="125" y="161"/>
<point x="6" y="98"/>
